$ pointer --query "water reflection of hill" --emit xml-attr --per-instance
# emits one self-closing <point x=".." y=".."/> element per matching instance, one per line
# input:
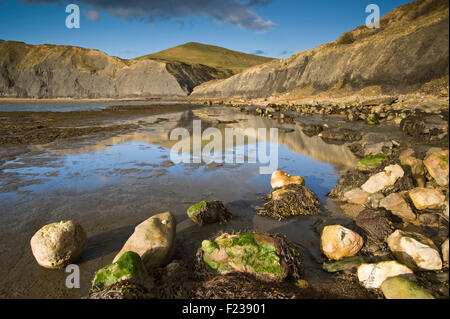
<point x="337" y="155"/>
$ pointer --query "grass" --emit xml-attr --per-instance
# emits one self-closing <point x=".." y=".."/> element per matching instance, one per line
<point x="213" y="56"/>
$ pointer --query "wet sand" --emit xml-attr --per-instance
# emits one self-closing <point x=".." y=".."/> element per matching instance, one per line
<point x="111" y="182"/>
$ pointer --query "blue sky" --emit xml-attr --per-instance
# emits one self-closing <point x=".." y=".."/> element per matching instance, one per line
<point x="132" y="28"/>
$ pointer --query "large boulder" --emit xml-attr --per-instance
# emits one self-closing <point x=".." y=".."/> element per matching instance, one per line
<point x="356" y="196"/>
<point x="253" y="253"/>
<point x="290" y="200"/>
<point x="427" y="198"/>
<point x="280" y="179"/>
<point x="208" y="212"/>
<point x="437" y="166"/>
<point x="338" y="242"/>
<point x="373" y="275"/>
<point x="128" y="267"/>
<point x="414" y="250"/>
<point x="153" y="240"/>
<point x="58" y="244"/>
<point x="384" y="179"/>
<point x="396" y="204"/>
<point x="402" y="288"/>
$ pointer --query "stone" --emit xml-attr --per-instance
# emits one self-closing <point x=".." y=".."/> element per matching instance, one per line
<point x="416" y="165"/>
<point x="58" y="244"/>
<point x="429" y="219"/>
<point x="373" y="201"/>
<point x="382" y="180"/>
<point x="437" y="166"/>
<point x="280" y="179"/>
<point x="427" y="198"/>
<point x="414" y="250"/>
<point x="371" y="162"/>
<point x="344" y="264"/>
<point x="346" y="182"/>
<point x="375" y="223"/>
<point x="372" y="119"/>
<point x="128" y="266"/>
<point x="444" y="249"/>
<point x="257" y="254"/>
<point x="446" y="208"/>
<point x="396" y="204"/>
<point x="373" y="275"/>
<point x="402" y="288"/>
<point x="208" y="212"/>
<point x="338" y="242"/>
<point x="153" y="240"/>
<point x="356" y="196"/>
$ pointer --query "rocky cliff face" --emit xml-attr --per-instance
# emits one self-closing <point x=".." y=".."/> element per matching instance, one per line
<point x="47" y="71"/>
<point x="409" y="50"/>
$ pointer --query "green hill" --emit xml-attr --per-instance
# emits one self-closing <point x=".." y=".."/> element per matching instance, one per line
<point x="213" y="56"/>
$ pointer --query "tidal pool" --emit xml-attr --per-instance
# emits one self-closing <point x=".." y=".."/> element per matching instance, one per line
<point x="110" y="185"/>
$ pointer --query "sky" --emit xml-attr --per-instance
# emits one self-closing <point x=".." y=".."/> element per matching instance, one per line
<point x="132" y="28"/>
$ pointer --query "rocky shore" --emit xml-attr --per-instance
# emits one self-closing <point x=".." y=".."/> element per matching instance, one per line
<point x="395" y="247"/>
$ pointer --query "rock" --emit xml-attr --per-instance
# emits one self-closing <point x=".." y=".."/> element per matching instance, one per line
<point x="414" y="250"/>
<point x="347" y="182"/>
<point x="153" y="240"/>
<point x="427" y="128"/>
<point x="290" y="200"/>
<point x="257" y="254"/>
<point x="444" y="249"/>
<point x="437" y="166"/>
<point x="426" y="198"/>
<point x="341" y="135"/>
<point x="128" y="266"/>
<point x="372" y="119"/>
<point x="356" y="196"/>
<point x="429" y="219"/>
<point x="338" y="242"/>
<point x="417" y="167"/>
<point x="446" y="208"/>
<point x="382" y="180"/>
<point x="402" y="288"/>
<point x="373" y="275"/>
<point x="375" y="223"/>
<point x="371" y="162"/>
<point x="280" y="179"/>
<point x="344" y="264"/>
<point x="396" y="204"/>
<point x="58" y="244"/>
<point x="373" y="201"/>
<point x="208" y="212"/>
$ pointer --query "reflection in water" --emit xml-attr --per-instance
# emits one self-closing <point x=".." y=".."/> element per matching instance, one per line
<point x="337" y="155"/>
<point x="111" y="185"/>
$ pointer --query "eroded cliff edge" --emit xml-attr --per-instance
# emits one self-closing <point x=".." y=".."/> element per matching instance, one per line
<point x="409" y="52"/>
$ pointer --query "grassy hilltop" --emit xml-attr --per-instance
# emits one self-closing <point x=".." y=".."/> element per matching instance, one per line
<point x="212" y="56"/>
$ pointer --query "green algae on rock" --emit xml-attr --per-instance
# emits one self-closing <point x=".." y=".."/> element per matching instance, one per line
<point x="403" y="288"/>
<point x="344" y="264"/>
<point x="371" y="162"/>
<point x="258" y="254"/>
<point x="290" y="200"/>
<point x="207" y="212"/>
<point x="372" y="119"/>
<point x="128" y="267"/>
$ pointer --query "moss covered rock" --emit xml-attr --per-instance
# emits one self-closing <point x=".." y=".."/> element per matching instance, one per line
<point x="257" y="254"/>
<point x="290" y="200"/>
<point x="128" y="267"/>
<point x="403" y="288"/>
<point x="344" y="264"/>
<point x="372" y="119"/>
<point x="207" y="212"/>
<point x="371" y="162"/>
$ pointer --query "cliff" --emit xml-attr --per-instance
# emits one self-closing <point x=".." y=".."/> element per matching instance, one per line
<point x="409" y="51"/>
